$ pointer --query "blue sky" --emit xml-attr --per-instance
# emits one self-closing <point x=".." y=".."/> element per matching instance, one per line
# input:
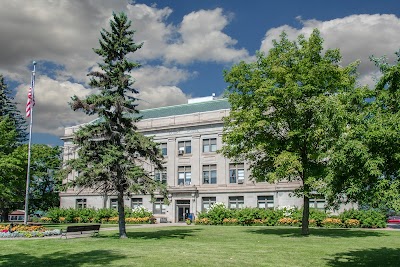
<point x="187" y="45"/>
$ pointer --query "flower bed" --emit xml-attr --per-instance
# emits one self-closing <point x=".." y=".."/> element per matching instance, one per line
<point x="20" y="230"/>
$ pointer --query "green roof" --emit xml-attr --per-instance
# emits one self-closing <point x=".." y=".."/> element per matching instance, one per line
<point x="185" y="109"/>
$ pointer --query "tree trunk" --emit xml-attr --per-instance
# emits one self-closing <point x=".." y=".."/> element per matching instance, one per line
<point x="4" y="215"/>
<point x="121" y="215"/>
<point x="306" y="215"/>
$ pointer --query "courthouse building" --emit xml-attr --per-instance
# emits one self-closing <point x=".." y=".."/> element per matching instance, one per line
<point x="196" y="175"/>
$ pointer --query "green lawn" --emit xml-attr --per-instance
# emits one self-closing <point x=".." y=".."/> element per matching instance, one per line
<point x="210" y="246"/>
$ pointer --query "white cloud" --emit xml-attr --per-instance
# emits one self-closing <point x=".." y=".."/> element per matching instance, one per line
<point x="151" y="29"/>
<point x="160" y="96"/>
<point x="202" y="39"/>
<point x="160" y="75"/>
<point x="199" y="37"/>
<point x="161" y="89"/>
<point x="357" y="36"/>
<point x="51" y="111"/>
<point x="64" y="32"/>
<point x="58" y="31"/>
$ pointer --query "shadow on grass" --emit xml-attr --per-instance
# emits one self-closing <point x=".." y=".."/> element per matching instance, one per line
<point x="367" y="257"/>
<point x="155" y="234"/>
<point x="334" y="233"/>
<point x="65" y="259"/>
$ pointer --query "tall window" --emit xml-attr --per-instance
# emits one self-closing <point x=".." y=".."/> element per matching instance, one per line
<point x="265" y="202"/>
<point x="114" y="203"/>
<point x="207" y="202"/>
<point x="210" y="145"/>
<point x="236" y="202"/>
<point x="163" y="147"/>
<point x="184" y="175"/>
<point x="317" y="202"/>
<point x="158" y="206"/>
<point x="185" y="147"/>
<point x="136" y="202"/>
<point x="80" y="203"/>
<point x="161" y="176"/>
<point x="236" y="173"/>
<point x="209" y="174"/>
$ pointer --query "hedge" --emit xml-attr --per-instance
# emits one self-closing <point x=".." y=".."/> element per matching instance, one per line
<point x="219" y="214"/>
<point x="86" y="215"/>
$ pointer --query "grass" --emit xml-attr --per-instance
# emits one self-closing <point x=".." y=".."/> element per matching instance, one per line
<point x="210" y="246"/>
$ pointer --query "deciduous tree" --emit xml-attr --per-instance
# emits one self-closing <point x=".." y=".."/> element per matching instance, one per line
<point x="286" y="113"/>
<point x="12" y="168"/>
<point x="365" y="165"/>
<point x="45" y="182"/>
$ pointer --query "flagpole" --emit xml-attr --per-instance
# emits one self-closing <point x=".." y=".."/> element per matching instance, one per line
<point x="29" y="146"/>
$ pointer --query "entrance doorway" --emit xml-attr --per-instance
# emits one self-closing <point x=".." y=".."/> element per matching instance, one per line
<point x="183" y="210"/>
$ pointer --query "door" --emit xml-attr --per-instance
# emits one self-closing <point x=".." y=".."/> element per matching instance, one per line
<point x="183" y="210"/>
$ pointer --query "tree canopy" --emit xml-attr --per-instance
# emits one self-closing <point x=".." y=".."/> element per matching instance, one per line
<point x="45" y="182"/>
<point x="12" y="168"/>
<point x="366" y="164"/>
<point x="286" y="113"/>
<point x="113" y="157"/>
<point x="8" y="107"/>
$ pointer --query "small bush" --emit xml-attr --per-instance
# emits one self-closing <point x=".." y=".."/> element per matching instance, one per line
<point x="352" y="223"/>
<point x="216" y="214"/>
<point x="367" y="218"/>
<point x="286" y="221"/>
<point x="230" y="221"/>
<point x="332" y="223"/>
<point x="138" y="220"/>
<point x="45" y="219"/>
<point x="318" y="216"/>
<point x="312" y="223"/>
<point x="204" y="221"/>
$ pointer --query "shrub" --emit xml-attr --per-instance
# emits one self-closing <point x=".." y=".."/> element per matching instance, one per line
<point x="138" y="220"/>
<point x="86" y="215"/>
<point x="230" y="221"/>
<point x="204" y="221"/>
<point x="141" y="212"/>
<point x="270" y="217"/>
<point x="113" y="220"/>
<point x="45" y="219"/>
<point x="332" y="223"/>
<point x="246" y="216"/>
<point x="352" y="223"/>
<point x="102" y="215"/>
<point x="312" y="223"/>
<point x="318" y="216"/>
<point x="368" y="218"/>
<point x="286" y="221"/>
<point x="216" y="213"/>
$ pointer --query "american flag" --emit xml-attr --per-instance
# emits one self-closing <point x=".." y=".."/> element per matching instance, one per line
<point x="31" y="101"/>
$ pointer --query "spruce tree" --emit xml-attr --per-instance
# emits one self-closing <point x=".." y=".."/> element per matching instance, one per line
<point x="9" y="107"/>
<point x="108" y="148"/>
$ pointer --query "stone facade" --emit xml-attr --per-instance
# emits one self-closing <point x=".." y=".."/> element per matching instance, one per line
<point x="196" y="174"/>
